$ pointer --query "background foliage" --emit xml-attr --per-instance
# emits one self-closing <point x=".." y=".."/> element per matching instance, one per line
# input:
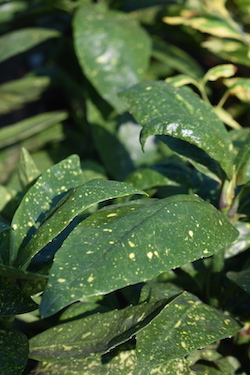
<point x="114" y="260"/>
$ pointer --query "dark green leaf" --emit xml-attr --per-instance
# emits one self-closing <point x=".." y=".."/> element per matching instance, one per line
<point x="185" y="324"/>
<point x="132" y="243"/>
<point x="29" y="127"/>
<point x="14" y="94"/>
<point x="189" y="125"/>
<point x="98" y="333"/>
<point x="241" y="141"/>
<point x="14" y="349"/>
<point x="40" y="198"/>
<point x="113" y="50"/>
<point x="13" y="301"/>
<point x="23" y="39"/>
<point x="74" y="203"/>
<point x="4" y="242"/>
<point x="241" y="278"/>
<point x="27" y="171"/>
<point x="17" y="273"/>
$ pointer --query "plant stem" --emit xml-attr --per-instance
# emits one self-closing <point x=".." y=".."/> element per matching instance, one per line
<point x="215" y="282"/>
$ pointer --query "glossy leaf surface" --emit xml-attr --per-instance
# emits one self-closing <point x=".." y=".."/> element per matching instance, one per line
<point x="74" y="203"/>
<point x="189" y="124"/>
<point x="173" y="332"/>
<point x="14" y="349"/>
<point x="113" y="50"/>
<point x="132" y="243"/>
<point x="40" y="198"/>
<point x="21" y="40"/>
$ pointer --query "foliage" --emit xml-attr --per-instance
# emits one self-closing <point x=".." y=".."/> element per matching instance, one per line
<point x="114" y="260"/>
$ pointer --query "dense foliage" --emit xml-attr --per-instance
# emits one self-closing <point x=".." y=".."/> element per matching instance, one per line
<point x="125" y="187"/>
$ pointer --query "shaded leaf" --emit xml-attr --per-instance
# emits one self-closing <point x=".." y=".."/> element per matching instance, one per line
<point x="132" y="243"/>
<point x="14" y="349"/>
<point x="27" y="170"/>
<point x="17" y="273"/>
<point x="21" y="40"/>
<point x="97" y="333"/>
<point x="14" y="94"/>
<point x="113" y="50"/>
<point x="189" y="125"/>
<point x="4" y="242"/>
<point x="242" y="279"/>
<point x="172" y="334"/>
<point x="40" y="198"/>
<point x="71" y="205"/>
<point x="241" y="141"/>
<point x="13" y="301"/>
<point x="26" y="128"/>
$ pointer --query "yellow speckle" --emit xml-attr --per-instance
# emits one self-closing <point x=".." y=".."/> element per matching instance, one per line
<point x="30" y="224"/>
<point x="220" y="222"/>
<point x="149" y="88"/>
<point x="183" y="344"/>
<point x="107" y="230"/>
<point x="131" y="244"/>
<point x="131" y="255"/>
<point x="150" y="255"/>
<point x="112" y="215"/>
<point x="197" y="225"/>
<point x="61" y="280"/>
<point x="156" y="254"/>
<point x="65" y="347"/>
<point x="90" y="279"/>
<point x="177" y="324"/>
<point x="205" y="251"/>
<point x="111" y="242"/>
<point x="191" y="233"/>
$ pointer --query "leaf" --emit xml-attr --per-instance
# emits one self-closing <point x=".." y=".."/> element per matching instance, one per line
<point x="21" y="40"/>
<point x="185" y="324"/>
<point x="181" y="80"/>
<point x="243" y="241"/>
<point x="74" y="203"/>
<point x="14" y="349"/>
<point x="40" y="198"/>
<point x="189" y="125"/>
<point x="97" y="333"/>
<point x="17" y="273"/>
<point x="14" y="94"/>
<point x="133" y="243"/>
<point x="241" y="141"/>
<point x="27" y="128"/>
<point x="13" y="301"/>
<point x="227" y="118"/>
<point x="210" y="24"/>
<point x="27" y="171"/>
<point x="242" y="278"/>
<point x="220" y="71"/>
<point x="4" y="242"/>
<point x="239" y="87"/>
<point x="113" y="50"/>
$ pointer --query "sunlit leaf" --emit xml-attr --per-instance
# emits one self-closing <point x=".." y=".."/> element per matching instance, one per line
<point x="220" y="71"/>
<point x="239" y="87"/>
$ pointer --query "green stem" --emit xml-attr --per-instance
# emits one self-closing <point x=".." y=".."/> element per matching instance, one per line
<point x="215" y="282"/>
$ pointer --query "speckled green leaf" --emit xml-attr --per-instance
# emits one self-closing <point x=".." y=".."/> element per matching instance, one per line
<point x="12" y="300"/>
<point x="27" y="128"/>
<point x="74" y="203"/>
<point x="14" y="94"/>
<point x="27" y="170"/>
<point x="40" y="198"/>
<point x="113" y="50"/>
<point x="241" y="142"/>
<point x="14" y="349"/>
<point x="19" y="41"/>
<point x="186" y="123"/>
<point x="239" y="87"/>
<point x="219" y="71"/>
<point x="97" y="333"/>
<point x="241" y="278"/>
<point x="185" y="324"/>
<point x="4" y="243"/>
<point x="132" y="243"/>
<point x="17" y="273"/>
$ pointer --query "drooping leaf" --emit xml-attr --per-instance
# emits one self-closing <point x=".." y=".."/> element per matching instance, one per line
<point x="14" y="94"/>
<point x="189" y="125"/>
<point x="242" y="278"/>
<point x="74" y="203"/>
<point x="26" y="128"/>
<point x="17" y="273"/>
<point x="241" y="141"/>
<point x="97" y="333"/>
<point x="14" y="349"/>
<point x="21" y="40"/>
<point x="243" y="241"/>
<point x="185" y="324"/>
<point x="13" y="301"/>
<point x="133" y="243"/>
<point x="220" y="71"/>
<point x="113" y="50"/>
<point x="4" y="242"/>
<point x="40" y="198"/>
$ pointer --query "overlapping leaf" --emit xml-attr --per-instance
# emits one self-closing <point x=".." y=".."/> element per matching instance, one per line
<point x="113" y="50"/>
<point x="189" y="125"/>
<point x="132" y="243"/>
